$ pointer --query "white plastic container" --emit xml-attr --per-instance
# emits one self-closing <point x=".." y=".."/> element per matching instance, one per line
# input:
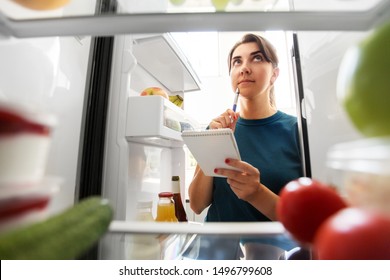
<point x="20" y="206"/>
<point x="144" y="211"/>
<point x="361" y="172"/>
<point x="25" y="138"/>
<point x="155" y="120"/>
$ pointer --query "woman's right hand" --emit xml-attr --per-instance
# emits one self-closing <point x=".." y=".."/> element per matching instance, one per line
<point x="227" y="119"/>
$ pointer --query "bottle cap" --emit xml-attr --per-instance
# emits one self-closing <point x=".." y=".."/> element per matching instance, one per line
<point x="175" y="178"/>
<point x="165" y="194"/>
<point x="175" y="184"/>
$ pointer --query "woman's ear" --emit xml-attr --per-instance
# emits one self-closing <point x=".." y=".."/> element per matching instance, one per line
<point x="274" y="75"/>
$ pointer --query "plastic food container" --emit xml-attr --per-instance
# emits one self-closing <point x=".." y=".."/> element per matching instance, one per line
<point x="21" y="206"/>
<point x="361" y="172"/>
<point x="25" y="138"/>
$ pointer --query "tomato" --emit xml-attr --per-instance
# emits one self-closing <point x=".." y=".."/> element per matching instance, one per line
<point x="304" y="204"/>
<point x="353" y="234"/>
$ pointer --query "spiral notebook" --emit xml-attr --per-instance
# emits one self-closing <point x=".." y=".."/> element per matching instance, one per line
<point x="211" y="147"/>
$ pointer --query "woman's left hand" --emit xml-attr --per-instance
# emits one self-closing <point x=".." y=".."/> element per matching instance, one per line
<point x="245" y="183"/>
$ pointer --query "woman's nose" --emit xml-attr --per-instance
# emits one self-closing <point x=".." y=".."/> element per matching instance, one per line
<point x="244" y="69"/>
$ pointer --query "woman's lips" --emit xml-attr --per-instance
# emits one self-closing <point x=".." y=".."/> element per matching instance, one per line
<point x="244" y="82"/>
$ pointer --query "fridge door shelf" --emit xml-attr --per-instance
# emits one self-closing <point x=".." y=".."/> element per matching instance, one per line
<point x="154" y="120"/>
<point x="169" y="65"/>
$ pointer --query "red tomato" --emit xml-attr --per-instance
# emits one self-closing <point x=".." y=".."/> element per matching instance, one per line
<point x="304" y="204"/>
<point x="353" y="234"/>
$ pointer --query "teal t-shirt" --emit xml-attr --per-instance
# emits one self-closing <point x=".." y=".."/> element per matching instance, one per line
<point x="272" y="146"/>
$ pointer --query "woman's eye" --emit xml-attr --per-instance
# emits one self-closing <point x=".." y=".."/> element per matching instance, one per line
<point x="236" y="62"/>
<point x="258" y="58"/>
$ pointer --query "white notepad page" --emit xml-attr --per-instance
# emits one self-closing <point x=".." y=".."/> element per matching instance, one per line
<point x="211" y="147"/>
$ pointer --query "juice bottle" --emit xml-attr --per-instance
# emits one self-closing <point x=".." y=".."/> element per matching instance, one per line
<point x="179" y="208"/>
<point x="166" y="208"/>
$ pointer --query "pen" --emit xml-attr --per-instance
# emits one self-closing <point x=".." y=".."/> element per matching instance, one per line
<point x="236" y="99"/>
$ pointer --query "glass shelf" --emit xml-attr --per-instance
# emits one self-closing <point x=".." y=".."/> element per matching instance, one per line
<point x="197" y="241"/>
<point x="75" y="8"/>
<point x="155" y="16"/>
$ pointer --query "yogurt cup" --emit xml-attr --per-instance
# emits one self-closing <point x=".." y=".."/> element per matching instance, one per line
<point x="361" y="171"/>
<point x="25" y="138"/>
<point x="20" y="206"/>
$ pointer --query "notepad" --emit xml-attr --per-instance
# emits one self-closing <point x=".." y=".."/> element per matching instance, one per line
<point x="211" y="147"/>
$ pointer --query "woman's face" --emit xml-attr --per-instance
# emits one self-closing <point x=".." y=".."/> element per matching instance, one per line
<point x="250" y="72"/>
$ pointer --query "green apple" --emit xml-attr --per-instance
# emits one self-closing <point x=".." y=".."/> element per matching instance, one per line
<point x="364" y="83"/>
<point x="220" y="5"/>
<point x="177" y="2"/>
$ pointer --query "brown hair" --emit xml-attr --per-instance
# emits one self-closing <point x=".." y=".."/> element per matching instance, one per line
<point x="266" y="48"/>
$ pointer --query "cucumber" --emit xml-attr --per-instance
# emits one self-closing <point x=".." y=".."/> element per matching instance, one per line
<point x="63" y="236"/>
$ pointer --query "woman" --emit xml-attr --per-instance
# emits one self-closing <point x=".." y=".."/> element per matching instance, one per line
<point x="268" y="141"/>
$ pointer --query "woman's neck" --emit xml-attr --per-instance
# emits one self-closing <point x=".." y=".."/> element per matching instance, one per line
<point x="250" y="110"/>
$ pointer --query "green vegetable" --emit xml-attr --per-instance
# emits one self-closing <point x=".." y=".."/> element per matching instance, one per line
<point x="64" y="236"/>
<point x="364" y="84"/>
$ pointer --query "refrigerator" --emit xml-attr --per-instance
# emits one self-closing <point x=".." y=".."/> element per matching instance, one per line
<point x="87" y="62"/>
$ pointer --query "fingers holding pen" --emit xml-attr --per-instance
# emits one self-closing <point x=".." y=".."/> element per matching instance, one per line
<point x="234" y="121"/>
<point x="227" y="119"/>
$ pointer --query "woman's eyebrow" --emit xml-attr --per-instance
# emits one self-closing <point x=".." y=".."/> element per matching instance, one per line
<point x="256" y="53"/>
<point x="235" y="57"/>
<point x="251" y="54"/>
